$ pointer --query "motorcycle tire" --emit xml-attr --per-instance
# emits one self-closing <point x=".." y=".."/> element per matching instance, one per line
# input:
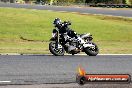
<point x="54" y="51"/>
<point x="90" y="52"/>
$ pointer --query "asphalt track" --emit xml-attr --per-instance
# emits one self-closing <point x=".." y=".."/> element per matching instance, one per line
<point x="47" y="69"/>
<point x="113" y="12"/>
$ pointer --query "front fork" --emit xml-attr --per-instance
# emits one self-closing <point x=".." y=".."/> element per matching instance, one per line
<point x="58" y="41"/>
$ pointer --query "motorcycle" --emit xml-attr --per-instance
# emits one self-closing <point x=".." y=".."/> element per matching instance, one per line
<point x="61" y="42"/>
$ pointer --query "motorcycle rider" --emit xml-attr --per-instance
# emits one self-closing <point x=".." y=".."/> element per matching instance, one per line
<point x="63" y="29"/>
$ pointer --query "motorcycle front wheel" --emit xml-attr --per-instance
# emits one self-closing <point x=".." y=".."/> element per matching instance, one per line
<point x="56" y="51"/>
<point x="92" y="51"/>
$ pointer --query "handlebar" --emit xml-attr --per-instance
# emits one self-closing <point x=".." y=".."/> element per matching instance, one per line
<point x="67" y="23"/>
<point x="61" y="24"/>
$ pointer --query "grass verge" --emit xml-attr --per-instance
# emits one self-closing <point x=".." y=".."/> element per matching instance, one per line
<point x="112" y="34"/>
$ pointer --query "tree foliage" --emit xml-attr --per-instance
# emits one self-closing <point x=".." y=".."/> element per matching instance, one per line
<point x="130" y="1"/>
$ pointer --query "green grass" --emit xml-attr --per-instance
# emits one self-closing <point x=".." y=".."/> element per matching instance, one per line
<point x="112" y="34"/>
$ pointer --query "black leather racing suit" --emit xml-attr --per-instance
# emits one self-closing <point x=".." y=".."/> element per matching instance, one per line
<point x="63" y="28"/>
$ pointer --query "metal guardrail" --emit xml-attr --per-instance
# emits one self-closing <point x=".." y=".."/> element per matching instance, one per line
<point x="111" y="5"/>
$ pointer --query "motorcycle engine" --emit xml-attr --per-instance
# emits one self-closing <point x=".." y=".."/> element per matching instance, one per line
<point x="72" y="45"/>
<point x="71" y="48"/>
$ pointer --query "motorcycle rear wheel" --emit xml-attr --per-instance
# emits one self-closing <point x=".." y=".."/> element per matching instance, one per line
<point x="92" y="52"/>
<point x="55" y="51"/>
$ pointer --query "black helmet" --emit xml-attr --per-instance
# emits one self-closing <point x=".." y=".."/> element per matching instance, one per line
<point x="57" y="21"/>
